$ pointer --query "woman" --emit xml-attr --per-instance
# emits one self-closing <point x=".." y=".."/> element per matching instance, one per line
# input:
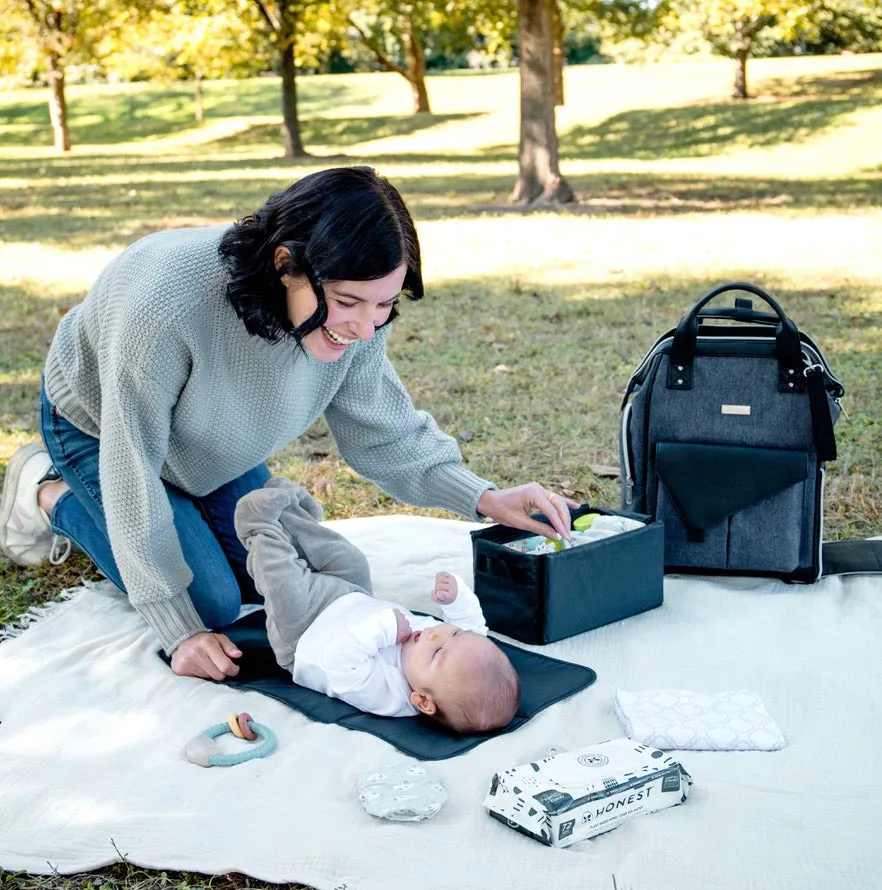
<point x="197" y="354"/>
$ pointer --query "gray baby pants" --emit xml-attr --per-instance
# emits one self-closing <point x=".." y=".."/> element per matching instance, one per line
<point x="298" y="565"/>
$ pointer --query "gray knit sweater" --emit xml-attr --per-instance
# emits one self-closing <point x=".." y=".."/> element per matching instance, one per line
<point x="156" y="364"/>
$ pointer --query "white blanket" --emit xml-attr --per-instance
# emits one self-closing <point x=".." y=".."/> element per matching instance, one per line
<point x="94" y="727"/>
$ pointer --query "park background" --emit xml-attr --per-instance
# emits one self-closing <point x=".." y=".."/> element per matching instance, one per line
<point x="536" y="311"/>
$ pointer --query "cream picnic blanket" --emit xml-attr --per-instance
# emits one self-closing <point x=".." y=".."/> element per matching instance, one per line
<point x="93" y="727"/>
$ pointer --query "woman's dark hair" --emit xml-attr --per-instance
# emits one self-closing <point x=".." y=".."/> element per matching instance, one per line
<point x="342" y="224"/>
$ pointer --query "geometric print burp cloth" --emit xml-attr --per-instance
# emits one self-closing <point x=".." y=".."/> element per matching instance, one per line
<point x="683" y="720"/>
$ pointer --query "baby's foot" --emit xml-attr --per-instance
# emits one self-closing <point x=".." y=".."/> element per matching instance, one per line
<point x="446" y="589"/>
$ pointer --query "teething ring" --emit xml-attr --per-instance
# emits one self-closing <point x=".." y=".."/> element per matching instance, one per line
<point x="203" y="750"/>
<point x="235" y="727"/>
<point x="244" y="720"/>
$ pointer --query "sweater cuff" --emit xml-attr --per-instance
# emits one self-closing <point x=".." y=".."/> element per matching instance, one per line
<point x="174" y="620"/>
<point x="457" y="489"/>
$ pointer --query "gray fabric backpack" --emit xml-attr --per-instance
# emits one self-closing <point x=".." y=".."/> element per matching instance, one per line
<point x="726" y="426"/>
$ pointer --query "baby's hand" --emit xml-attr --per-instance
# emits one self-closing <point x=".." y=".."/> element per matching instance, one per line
<point x="404" y="631"/>
<point x="446" y="589"/>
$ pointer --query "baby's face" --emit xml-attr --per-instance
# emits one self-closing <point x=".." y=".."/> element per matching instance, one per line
<point x="441" y="658"/>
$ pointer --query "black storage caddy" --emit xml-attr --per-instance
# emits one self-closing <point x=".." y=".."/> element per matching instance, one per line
<point x="546" y="597"/>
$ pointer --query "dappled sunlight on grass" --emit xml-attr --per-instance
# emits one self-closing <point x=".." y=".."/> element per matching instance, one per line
<point x="122" y="113"/>
<point x="85" y="210"/>
<point x="562" y="249"/>
<point x="339" y="133"/>
<point x="703" y="130"/>
<point x="812" y="106"/>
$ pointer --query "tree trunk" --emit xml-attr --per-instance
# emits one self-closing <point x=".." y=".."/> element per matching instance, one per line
<point x="290" y="122"/>
<point x="740" y="89"/>
<point x="743" y="43"/>
<point x="197" y="90"/>
<point x="539" y="177"/>
<point x="416" y="71"/>
<point x="58" y="103"/>
<point x="557" y="51"/>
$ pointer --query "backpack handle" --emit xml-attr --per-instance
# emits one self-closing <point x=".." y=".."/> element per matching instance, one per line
<point x="742" y="311"/>
<point x="787" y="344"/>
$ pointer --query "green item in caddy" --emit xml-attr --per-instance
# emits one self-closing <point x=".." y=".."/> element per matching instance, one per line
<point x="581" y="523"/>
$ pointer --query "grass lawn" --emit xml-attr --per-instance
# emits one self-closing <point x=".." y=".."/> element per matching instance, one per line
<point x="533" y="321"/>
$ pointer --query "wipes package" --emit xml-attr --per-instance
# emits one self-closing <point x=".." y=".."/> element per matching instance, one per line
<point x="579" y="794"/>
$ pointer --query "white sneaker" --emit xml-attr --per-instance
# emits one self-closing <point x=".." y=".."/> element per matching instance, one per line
<point x="25" y="534"/>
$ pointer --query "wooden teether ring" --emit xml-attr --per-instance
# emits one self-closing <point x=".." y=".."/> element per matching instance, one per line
<point x="244" y="721"/>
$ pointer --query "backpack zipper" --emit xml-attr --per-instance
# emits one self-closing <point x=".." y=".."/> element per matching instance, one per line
<point x="626" y="452"/>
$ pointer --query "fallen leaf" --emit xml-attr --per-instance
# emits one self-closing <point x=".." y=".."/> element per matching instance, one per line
<point x="502" y="369"/>
<point x="605" y="471"/>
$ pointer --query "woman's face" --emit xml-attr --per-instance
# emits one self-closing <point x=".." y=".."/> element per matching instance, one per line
<point x="355" y="310"/>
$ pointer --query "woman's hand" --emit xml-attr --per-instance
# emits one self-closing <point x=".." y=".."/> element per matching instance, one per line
<point x="513" y="507"/>
<point x="206" y="655"/>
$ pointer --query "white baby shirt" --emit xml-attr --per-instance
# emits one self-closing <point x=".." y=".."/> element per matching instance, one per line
<point x="350" y="651"/>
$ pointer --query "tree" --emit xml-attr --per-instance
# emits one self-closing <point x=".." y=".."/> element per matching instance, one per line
<point x="62" y="31"/>
<point x="557" y="52"/>
<point x="192" y="39"/>
<point x="392" y="30"/>
<point x="405" y="37"/>
<point x="281" y="17"/>
<point x="539" y="177"/>
<point x="732" y="27"/>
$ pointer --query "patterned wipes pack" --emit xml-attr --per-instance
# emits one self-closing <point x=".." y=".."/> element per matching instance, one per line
<point x="681" y="720"/>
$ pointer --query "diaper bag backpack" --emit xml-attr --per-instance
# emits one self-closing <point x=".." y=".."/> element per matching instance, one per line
<point x="726" y="426"/>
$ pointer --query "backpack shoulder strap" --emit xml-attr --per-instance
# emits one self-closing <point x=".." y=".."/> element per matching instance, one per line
<point x="851" y="557"/>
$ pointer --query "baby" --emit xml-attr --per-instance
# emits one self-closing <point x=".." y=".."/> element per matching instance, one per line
<point x="326" y="628"/>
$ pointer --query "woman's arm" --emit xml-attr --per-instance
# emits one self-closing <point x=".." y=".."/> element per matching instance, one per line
<point x="383" y="437"/>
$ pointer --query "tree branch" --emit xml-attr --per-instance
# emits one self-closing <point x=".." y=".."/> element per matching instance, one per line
<point x="373" y="46"/>
<point x="264" y="11"/>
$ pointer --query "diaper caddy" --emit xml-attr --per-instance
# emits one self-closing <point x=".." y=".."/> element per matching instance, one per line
<point x="541" y="598"/>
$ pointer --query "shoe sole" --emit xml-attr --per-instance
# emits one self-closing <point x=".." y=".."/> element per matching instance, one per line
<point x="10" y="484"/>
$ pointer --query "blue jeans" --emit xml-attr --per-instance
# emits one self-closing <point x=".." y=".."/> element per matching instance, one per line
<point x="204" y="525"/>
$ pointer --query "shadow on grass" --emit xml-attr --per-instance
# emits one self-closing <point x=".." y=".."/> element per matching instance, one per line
<point x="129" y="113"/>
<point x="161" y="194"/>
<point x="794" y="112"/>
<point x="343" y="133"/>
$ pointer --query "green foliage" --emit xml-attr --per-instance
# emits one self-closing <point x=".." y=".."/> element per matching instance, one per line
<point x="759" y="28"/>
<point x="180" y="39"/>
<point x="470" y="33"/>
<point x="732" y="27"/>
<point x="837" y="26"/>
<point x="72" y="32"/>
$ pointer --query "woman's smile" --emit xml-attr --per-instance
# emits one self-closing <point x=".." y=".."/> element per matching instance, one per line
<point x="337" y="341"/>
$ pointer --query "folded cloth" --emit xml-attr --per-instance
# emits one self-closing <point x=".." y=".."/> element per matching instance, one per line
<point x="680" y="719"/>
<point x="602" y="527"/>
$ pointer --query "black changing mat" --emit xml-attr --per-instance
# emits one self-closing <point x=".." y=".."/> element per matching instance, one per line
<point x="544" y="681"/>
